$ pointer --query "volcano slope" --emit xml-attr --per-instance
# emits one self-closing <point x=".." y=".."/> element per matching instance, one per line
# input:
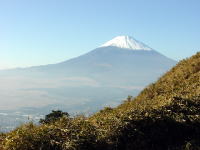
<point x="165" y="115"/>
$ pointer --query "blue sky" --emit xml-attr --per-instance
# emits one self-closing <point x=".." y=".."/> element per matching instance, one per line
<point x="34" y="32"/>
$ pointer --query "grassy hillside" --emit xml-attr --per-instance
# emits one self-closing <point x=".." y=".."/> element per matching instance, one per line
<point x="181" y="81"/>
<point x="165" y="115"/>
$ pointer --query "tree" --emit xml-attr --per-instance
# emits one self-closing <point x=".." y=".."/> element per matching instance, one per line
<point x="53" y="116"/>
<point x="129" y="98"/>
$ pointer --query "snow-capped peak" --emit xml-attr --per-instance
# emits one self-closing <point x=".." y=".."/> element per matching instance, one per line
<point x="126" y="42"/>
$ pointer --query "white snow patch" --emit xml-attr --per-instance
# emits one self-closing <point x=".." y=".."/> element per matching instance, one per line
<point x="127" y="42"/>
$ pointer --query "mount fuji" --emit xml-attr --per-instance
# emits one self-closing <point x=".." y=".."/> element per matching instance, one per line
<point x="103" y="77"/>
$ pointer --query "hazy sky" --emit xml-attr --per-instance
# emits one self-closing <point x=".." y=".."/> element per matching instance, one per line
<point x="34" y="32"/>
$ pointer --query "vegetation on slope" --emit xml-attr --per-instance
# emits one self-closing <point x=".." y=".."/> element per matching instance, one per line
<point x="183" y="80"/>
<point x="166" y="115"/>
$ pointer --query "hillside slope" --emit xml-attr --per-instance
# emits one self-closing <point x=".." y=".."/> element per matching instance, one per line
<point x="166" y="115"/>
<point x="182" y="81"/>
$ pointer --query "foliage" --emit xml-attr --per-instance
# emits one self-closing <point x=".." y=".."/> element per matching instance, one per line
<point x="2" y="137"/>
<point x="66" y="134"/>
<point x="54" y="116"/>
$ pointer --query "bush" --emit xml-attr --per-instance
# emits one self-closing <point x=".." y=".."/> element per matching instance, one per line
<point x="54" y="116"/>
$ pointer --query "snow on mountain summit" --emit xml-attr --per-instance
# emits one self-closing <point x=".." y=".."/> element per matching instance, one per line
<point x="126" y="42"/>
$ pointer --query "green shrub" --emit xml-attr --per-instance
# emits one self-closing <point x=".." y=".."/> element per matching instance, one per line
<point x="54" y="116"/>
